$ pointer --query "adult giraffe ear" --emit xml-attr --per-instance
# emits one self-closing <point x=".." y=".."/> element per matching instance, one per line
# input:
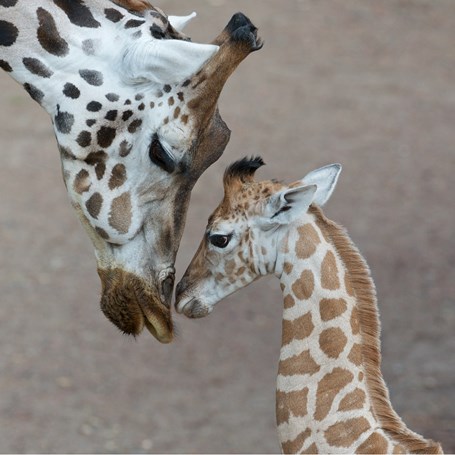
<point x="325" y="178"/>
<point x="180" y="22"/>
<point x="166" y="61"/>
<point x="289" y="204"/>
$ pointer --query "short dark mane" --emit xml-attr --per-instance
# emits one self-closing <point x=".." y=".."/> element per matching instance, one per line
<point x="244" y="168"/>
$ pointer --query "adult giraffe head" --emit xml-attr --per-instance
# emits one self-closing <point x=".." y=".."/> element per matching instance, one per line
<point x="134" y="107"/>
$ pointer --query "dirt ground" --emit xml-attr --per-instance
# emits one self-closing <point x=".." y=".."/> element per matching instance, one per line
<point x="368" y="84"/>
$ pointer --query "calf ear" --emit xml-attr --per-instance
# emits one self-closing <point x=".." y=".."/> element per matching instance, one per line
<point x="325" y="178"/>
<point x="165" y="61"/>
<point x="180" y="22"/>
<point x="288" y="205"/>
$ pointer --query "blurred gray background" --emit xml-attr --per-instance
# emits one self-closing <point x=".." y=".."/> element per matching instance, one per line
<point x="365" y="83"/>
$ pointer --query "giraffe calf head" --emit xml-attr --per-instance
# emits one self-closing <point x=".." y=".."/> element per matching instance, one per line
<point x="247" y="232"/>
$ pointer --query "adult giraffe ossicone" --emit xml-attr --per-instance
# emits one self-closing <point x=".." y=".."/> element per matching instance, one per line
<point x="134" y="108"/>
<point x="331" y="396"/>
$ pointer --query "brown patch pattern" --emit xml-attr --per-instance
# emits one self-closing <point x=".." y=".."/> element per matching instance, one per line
<point x="298" y="329"/>
<point x="328" y="388"/>
<point x="331" y="308"/>
<point x="344" y="434"/>
<point x="329" y="272"/>
<point x="288" y="403"/>
<point x="296" y="445"/>
<point x="332" y="342"/>
<point x="82" y="182"/>
<point x="355" y="356"/>
<point x="302" y="363"/>
<point x="120" y="214"/>
<point x="355" y="324"/>
<point x="304" y="286"/>
<point x="307" y="242"/>
<point x="375" y="443"/>
<point x="118" y="176"/>
<point x="289" y="301"/>
<point x="353" y="400"/>
<point x="94" y="205"/>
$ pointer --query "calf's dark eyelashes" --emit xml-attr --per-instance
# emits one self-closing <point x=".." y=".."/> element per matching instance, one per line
<point x="160" y="157"/>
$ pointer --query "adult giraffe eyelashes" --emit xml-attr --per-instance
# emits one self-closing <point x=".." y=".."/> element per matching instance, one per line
<point x="159" y="156"/>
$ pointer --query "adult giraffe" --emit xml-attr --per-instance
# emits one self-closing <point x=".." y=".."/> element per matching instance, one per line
<point x="134" y="107"/>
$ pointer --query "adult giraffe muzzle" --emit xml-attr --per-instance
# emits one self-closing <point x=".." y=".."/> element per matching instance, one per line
<point x="134" y="107"/>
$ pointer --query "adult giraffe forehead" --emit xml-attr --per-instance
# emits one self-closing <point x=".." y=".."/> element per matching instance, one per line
<point x="134" y="107"/>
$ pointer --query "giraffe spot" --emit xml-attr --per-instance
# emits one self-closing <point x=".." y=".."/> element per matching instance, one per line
<point x="102" y="233"/>
<point x="329" y="272"/>
<point x="398" y="449"/>
<point x="361" y="375"/>
<point x="298" y="329"/>
<point x="8" y="33"/>
<point x="159" y="94"/>
<point x="171" y="101"/>
<point x="120" y="214"/>
<point x="167" y="88"/>
<point x="141" y="106"/>
<point x="186" y="83"/>
<point x="166" y="121"/>
<point x="90" y="122"/>
<point x="113" y="15"/>
<point x="66" y="153"/>
<point x="78" y="13"/>
<point x="134" y="125"/>
<point x="345" y="433"/>
<point x="133" y="23"/>
<point x="71" y="91"/>
<point x="8" y="3"/>
<point x="152" y="104"/>
<point x="332" y="342"/>
<point x="94" y="106"/>
<point x="127" y="102"/>
<point x="82" y="182"/>
<point x="96" y="158"/>
<point x="355" y="356"/>
<point x="304" y="286"/>
<point x="177" y="112"/>
<point x="184" y="119"/>
<point x="100" y="169"/>
<point x="353" y="400"/>
<point x="94" y="205"/>
<point x="331" y="308"/>
<point x="5" y="66"/>
<point x="105" y="136"/>
<point x="111" y="115"/>
<point x="348" y="285"/>
<point x="302" y="363"/>
<point x="127" y="115"/>
<point x="289" y="301"/>
<point x="88" y="47"/>
<point x="113" y="97"/>
<point x="92" y="77"/>
<point x="64" y="121"/>
<point x="328" y="388"/>
<point x="288" y="267"/>
<point x="295" y="446"/>
<point x="37" y="67"/>
<point x="181" y="96"/>
<point x="36" y="94"/>
<point x="125" y="149"/>
<point x="84" y="139"/>
<point x="311" y="449"/>
<point x="375" y="443"/>
<point x="139" y="97"/>
<point x="355" y="323"/>
<point x="307" y="242"/>
<point x="118" y="176"/>
<point x="48" y="35"/>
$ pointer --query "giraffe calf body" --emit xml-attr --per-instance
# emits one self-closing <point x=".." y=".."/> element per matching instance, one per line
<point x="331" y="397"/>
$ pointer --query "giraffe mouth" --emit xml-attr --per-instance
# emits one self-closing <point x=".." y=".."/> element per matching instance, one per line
<point x="131" y="304"/>
<point x="194" y="308"/>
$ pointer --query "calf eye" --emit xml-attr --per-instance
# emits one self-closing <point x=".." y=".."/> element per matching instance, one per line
<point x="220" y="241"/>
<point x="160" y="157"/>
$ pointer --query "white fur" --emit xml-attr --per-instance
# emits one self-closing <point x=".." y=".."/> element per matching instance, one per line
<point x="180" y="22"/>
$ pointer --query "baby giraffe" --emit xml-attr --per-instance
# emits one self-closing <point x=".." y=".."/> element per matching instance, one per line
<point x="331" y="397"/>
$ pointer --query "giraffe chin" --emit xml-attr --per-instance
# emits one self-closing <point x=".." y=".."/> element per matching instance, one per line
<point x="131" y="304"/>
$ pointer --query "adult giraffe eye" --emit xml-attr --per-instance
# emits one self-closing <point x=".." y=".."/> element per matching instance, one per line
<point x="220" y="241"/>
<point x="160" y="157"/>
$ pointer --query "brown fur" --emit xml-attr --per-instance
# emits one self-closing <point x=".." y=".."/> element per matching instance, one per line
<point x="365" y="292"/>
